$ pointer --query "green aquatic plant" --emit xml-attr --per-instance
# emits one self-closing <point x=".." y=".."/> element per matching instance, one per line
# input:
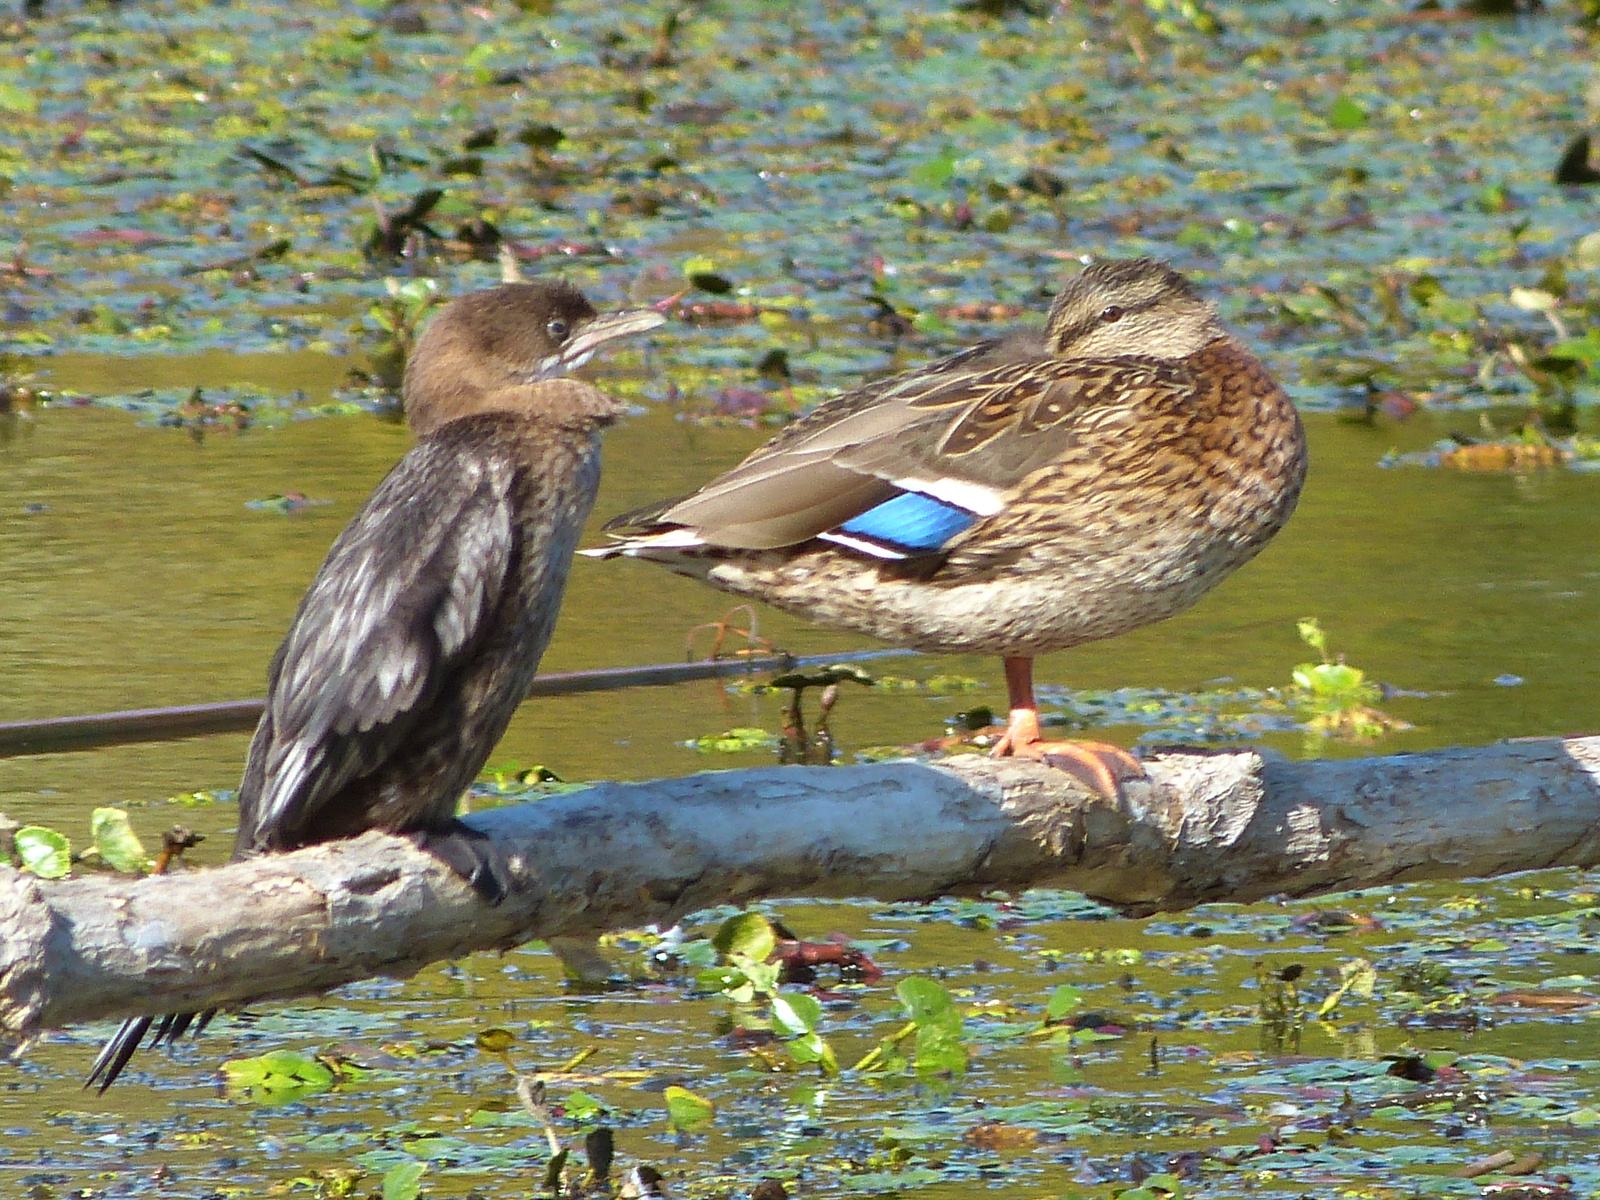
<point x="1358" y="978"/>
<point x="746" y="976"/>
<point x="1175" y="17"/>
<point x="399" y="317"/>
<point x="795" y="744"/>
<point x="43" y="852"/>
<point x="686" y="1111"/>
<point x="816" y="747"/>
<point x="935" y="1027"/>
<point x="279" y="1076"/>
<point x="403" y="1181"/>
<point x="734" y="741"/>
<point x="1337" y="698"/>
<point x="1330" y="699"/>
<point x="48" y="854"/>
<point x="115" y="842"/>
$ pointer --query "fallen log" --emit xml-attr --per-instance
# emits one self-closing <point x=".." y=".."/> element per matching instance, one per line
<point x="1233" y="825"/>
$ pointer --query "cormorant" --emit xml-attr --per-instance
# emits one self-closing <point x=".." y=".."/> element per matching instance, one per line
<point x="421" y="633"/>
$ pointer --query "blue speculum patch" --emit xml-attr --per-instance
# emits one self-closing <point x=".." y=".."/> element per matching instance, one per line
<point x="911" y="521"/>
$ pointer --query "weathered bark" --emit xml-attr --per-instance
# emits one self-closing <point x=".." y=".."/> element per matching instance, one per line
<point x="1230" y="825"/>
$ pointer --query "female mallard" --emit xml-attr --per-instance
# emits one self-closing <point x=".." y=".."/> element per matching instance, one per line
<point x="1020" y="497"/>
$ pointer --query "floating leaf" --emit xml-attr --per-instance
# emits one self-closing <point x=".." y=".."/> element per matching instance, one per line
<point x="581" y="1107"/>
<point x="937" y="171"/>
<point x="749" y="935"/>
<point x="735" y="741"/>
<point x="45" y="852"/>
<point x="1346" y="114"/>
<point x="940" y="1050"/>
<point x="1358" y="977"/>
<point x="1064" y="1000"/>
<point x="1534" y="300"/>
<point x="116" y="842"/>
<point x="729" y="981"/>
<point x="278" y="1076"/>
<point x="496" y="1041"/>
<point x="1586" y="254"/>
<point x="686" y="1111"/>
<point x="404" y="1181"/>
<point x="924" y="999"/>
<point x="795" y="1013"/>
<point x="813" y="1048"/>
<point x="17" y="99"/>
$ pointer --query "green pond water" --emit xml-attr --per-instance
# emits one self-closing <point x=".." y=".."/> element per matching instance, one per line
<point x="145" y="580"/>
<point x="189" y="196"/>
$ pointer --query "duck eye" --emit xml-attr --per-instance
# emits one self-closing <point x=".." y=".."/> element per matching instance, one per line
<point x="557" y="328"/>
<point x="1111" y="313"/>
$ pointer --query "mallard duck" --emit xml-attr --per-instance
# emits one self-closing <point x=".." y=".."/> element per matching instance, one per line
<point x="424" y="627"/>
<point x="1025" y="495"/>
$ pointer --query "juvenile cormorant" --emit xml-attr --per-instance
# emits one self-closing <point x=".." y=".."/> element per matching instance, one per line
<point x="1025" y="495"/>
<point x="421" y="633"/>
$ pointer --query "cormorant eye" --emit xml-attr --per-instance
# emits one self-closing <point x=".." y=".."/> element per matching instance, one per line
<point x="1111" y="313"/>
<point x="557" y="329"/>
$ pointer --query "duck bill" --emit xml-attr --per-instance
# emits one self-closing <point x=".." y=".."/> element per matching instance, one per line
<point x="589" y="338"/>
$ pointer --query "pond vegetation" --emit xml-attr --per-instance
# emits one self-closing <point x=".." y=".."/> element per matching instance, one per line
<point x="221" y="225"/>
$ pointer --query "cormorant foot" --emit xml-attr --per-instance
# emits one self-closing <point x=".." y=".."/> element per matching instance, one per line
<point x="472" y="855"/>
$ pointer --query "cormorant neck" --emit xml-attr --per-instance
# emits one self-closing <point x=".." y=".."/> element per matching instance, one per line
<point x="546" y="404"/>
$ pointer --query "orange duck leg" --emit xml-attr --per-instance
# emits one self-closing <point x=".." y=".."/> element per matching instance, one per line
<point x="1099" y="766"/>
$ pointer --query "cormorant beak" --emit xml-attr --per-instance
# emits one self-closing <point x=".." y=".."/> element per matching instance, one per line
<point x="590" y="337"/>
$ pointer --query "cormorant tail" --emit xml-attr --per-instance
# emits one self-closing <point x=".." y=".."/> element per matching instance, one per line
<point x="125" y="1042"/>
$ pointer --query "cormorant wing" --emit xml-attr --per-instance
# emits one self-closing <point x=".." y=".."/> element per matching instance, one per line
<point x="400" y="602"/>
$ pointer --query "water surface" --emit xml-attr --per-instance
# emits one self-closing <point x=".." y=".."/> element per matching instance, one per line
<point x="145" y="580"/>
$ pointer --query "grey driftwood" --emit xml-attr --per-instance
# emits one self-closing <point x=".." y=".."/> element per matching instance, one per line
<point x="1223" y="826"/>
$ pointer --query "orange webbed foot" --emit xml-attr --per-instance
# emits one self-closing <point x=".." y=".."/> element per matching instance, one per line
<point x="1099" y="766"/>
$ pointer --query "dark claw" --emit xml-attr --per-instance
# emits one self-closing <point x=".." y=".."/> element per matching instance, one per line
<point x="472" y="855"/>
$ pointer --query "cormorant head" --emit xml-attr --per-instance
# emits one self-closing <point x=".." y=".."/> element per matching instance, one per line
<point x="1122" y="307"/>
<point x="487" y="351"/>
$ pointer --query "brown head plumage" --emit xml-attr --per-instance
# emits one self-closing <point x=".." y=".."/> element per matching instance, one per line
<point x="1122" y="307"/>
<point x="488" y="351"/>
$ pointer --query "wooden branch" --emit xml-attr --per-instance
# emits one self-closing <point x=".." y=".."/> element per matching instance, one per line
<point x="53" y="735"/>
<point x="1218" y="826"/>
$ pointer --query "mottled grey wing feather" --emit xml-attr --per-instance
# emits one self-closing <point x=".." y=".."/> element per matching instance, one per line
<point x="401" y="598"/>
<point x="985" y="425"/>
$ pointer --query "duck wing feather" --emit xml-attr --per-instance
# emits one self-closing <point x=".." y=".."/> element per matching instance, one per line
<point x="968" y="434"/>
